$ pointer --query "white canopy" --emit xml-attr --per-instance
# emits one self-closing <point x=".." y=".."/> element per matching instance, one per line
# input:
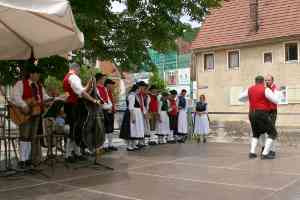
<point x="40" y="28"/>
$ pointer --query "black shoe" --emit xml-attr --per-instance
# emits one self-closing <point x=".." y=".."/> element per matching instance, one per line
<point x="272" y="153"/>
<point x="21" y="164"/>
<point x="28" y="163"/>
<point x="140" y="146"/>
<point x="152" y="143"/>
<point x="112" y="148"/>
<point x="70" y="159"/>
<point x="171" y="141"/>
<point x="262" y="149"/>
<point x="80" y="158"/>
<point x="252" y="155"/>
<point x="181" y="141"/>
<point x="267" y="157"/>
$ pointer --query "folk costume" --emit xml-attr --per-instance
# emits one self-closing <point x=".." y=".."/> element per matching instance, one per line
<point x="164" y="121"/>
<point x="273" y="115"/>
<point x="153" y="115"/>
<point x="24" y="91"/>
<point x="74" y="109"/>
<point x="109" y="109"/>
<point x="259" y="98"/>
<point x="173" y="114"/>
<point x="132" y="128"/>
<point x="201" y="122"/>
<point x="182" y="128"/>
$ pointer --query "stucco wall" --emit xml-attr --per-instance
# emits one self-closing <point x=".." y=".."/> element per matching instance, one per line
<point x="221" y="79"/>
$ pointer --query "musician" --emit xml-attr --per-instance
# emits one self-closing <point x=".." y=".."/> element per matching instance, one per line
<point x="105" y="88"/>
<point x="182" y="129"/>
<point x="73" y="87"/>
<point x="30" y="90"/>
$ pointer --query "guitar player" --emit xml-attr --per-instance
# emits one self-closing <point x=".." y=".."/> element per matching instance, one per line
<point x="29" y="95"/>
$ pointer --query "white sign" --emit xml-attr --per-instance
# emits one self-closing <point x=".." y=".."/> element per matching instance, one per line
<point x="184" y="76"/>
<point x="283" y="95"/>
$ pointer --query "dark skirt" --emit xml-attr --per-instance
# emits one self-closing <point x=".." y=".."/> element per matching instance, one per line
<point x="125" y="127"/>
<point x="173" y="123"/>
<point x="108" y="121"/>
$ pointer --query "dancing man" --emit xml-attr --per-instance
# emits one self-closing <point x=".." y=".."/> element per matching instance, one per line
<point x="260" y="97"/>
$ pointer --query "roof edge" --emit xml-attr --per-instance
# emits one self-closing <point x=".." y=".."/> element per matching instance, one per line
<point x="247" y="44"/>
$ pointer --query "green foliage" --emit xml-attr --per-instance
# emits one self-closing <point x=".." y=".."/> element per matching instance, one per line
<point x="121" y="37"/>
<point x="53" y="85"/>
<point x="11" y="71"/>
<point x="124" y="37"/>
<point x="190" y="34"/>
<point x="155" y="80"/>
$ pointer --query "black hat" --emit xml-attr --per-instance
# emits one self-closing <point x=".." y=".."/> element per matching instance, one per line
<point x="109" y="81"/>
<point x="173" y="92"/>
<point x="142" y="83"/>
<point x="99" y="75"/>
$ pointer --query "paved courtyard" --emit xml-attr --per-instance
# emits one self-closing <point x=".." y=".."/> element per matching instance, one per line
<point x="211" y="171"/>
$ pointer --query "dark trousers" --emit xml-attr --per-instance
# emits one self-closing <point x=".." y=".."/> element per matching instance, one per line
<point x="273" y="115"/>
<point x="108" y="121"/>
<point x="261" y="123"/>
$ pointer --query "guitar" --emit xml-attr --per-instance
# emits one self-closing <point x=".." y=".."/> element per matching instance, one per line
<point x="19" y="117"/>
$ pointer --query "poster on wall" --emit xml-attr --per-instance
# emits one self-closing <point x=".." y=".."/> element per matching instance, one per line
<point x="283" y="95"/>
<point x="171" y="77"/>
<point x="184" y="76"/>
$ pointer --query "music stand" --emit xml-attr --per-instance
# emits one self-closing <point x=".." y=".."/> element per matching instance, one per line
<point x="52" y="113"/>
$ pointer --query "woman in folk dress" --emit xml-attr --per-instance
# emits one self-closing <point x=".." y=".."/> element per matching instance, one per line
<point x="164" y="123"/>
<point x="133" y="122"/>
<point x="201" y="120"/>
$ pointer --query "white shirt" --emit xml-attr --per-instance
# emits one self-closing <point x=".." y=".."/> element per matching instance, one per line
<point x="273" y="97"/>
<point x="17" y="94"/>
<point x="76" y="84"/>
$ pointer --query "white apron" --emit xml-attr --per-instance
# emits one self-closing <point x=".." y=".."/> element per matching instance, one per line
<point x="182" y="122"/>
<point x="137" y="129"/>
<point x="201" y="124"/>
<point x="164" y="124"/>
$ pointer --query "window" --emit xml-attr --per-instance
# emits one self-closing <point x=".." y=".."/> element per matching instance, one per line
<point x="209" y="62"/>
<point x="291" y="52"/>
<point x="233" y="60"/>
<point x="268" y="57"/>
